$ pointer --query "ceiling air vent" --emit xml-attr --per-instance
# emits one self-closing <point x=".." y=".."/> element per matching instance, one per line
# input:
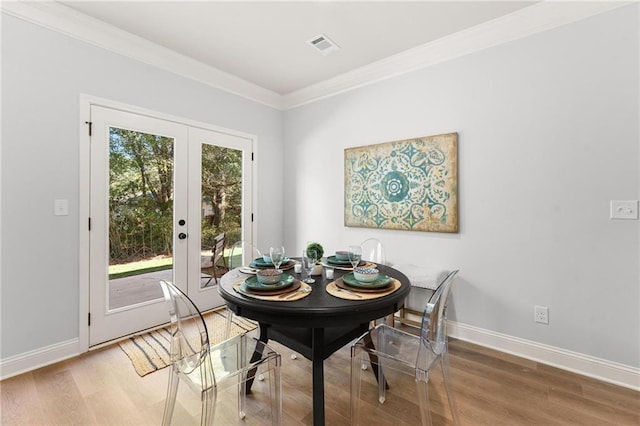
<point x="323" y="44"/>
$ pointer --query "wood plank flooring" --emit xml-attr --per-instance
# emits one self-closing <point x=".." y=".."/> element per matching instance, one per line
<point x="492" y="388"/>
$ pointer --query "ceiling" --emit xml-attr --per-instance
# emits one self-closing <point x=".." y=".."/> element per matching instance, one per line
<point x="266" y="43"/>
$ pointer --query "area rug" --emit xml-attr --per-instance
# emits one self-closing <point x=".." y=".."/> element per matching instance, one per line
<point x="149" y="352"/>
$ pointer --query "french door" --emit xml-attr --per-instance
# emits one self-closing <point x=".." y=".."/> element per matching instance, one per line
<point x="151" y="205"/>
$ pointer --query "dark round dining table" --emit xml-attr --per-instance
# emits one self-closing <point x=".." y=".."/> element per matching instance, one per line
<point x="317" y="325"/>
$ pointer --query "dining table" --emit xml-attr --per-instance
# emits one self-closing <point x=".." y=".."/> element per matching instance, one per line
<point x="318" y="323"/>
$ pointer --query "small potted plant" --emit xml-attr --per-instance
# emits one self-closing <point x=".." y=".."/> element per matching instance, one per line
<point x="319" y="253"/>
<point x="318" y="248"/>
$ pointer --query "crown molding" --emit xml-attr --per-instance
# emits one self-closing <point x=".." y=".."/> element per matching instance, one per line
<point x="67" y="21"/>
<point x="531" y="20"/>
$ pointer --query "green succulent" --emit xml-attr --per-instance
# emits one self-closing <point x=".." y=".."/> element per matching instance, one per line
<point x="317" y="247"/>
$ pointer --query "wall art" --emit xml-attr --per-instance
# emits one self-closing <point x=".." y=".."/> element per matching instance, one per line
<point x="409" y="184"/>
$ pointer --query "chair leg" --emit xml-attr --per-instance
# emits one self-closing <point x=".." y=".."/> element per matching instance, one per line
<point x="242" y="377"/>
<point x="356" y="371"/>
<point x="444" y="364"/>
<point x="170" y="402"/>
<point x="382" y="389"/>
<point x="227" y="333"/>
<point x="208" y="407"/>
<point x="242" y="395"/>
<point x="275" y="391"/>
<point x="422" y="384"/>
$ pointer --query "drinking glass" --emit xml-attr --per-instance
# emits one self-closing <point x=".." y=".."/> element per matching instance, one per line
<point x="355" y="254"/>
<point x="309" y="258"/>
<point x="277" y="256"/>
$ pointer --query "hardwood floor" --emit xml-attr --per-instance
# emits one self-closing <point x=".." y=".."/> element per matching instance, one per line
<point x="492" y="388"/>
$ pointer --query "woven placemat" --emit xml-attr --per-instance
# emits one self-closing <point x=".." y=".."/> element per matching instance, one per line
<point x="353" y="294"/>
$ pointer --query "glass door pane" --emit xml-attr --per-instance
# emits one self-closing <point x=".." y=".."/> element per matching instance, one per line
<point x="221" y="201"/>
<point x="140" y="216"/>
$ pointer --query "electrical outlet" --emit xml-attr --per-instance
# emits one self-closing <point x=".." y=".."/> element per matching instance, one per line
<point x="624" y="209"/>
<point x="541" y="314"/>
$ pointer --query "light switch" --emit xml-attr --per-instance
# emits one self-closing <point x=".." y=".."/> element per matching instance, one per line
<point x="61" y="207"/>
<point x="624" y="209"/>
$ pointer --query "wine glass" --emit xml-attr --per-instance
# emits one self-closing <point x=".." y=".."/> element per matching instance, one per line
<point x="309" y="258"/>
<point x="355" y="254"/>
<point x="277" y="256"/>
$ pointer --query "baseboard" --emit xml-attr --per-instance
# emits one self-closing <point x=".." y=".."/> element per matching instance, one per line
<point x="607" y="371"/>
<point x="31" y="360"/>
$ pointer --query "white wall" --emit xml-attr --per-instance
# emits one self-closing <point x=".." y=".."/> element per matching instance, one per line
<point x="43" y="75"/>
<point x="548" y="134"/>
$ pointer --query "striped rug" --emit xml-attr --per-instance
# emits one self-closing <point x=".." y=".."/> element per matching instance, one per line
<point x="149" y="352"/>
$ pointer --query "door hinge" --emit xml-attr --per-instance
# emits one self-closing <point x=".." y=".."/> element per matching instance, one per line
<point x="89" y="319"/>
<point x="252" y="156"/>
<point x="251" y="217"/>
<point x="89" y="224"/>
<point x="90" y="125"/>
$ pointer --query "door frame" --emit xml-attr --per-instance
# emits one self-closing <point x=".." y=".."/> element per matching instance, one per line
<point x="84" y="192"/>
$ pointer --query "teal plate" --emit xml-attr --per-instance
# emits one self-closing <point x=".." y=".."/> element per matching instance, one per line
<point x="252" y="283"/>
<point x="260" y="262"/>
<point x="332" y="259"/>
<point x="381" y="281"/>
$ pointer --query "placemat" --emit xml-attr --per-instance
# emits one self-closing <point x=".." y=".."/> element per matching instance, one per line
<point x="303" y="291"/>
<point x="352" y="294"/>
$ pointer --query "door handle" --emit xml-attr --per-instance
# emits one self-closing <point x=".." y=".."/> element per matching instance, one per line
<point x="182" y="235"/>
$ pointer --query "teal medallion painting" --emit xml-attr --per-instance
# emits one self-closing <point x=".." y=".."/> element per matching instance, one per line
<point x="410" y="184"/>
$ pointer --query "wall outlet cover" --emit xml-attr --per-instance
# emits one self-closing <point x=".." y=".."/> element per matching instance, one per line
<point x="624" y="209"/>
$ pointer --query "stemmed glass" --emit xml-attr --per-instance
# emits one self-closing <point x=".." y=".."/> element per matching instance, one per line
<point x="309" y="258"/>
<point x="355" y="254"/>
<point x="277" y="256"/>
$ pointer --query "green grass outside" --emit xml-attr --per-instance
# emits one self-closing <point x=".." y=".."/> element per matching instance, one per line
<point x="145" y="266"/>
<point x="140" y="267"/>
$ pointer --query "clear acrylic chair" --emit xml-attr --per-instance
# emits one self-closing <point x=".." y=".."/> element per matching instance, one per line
<point x="241" y="254"/>
<point x="373" y="251"/>
<point x="208" y="369"/>
<point x="394" y="353"/>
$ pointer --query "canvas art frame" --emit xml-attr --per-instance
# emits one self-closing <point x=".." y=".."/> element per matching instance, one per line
<point x="409" y="184"/>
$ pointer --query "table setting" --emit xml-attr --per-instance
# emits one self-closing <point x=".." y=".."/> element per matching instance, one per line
<point x="346" y="260"/>
<point x="265" y="262"/>
<point x="288" y="289"/>
<point x="267" y="279"/>
<point x="364" y="283"/>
